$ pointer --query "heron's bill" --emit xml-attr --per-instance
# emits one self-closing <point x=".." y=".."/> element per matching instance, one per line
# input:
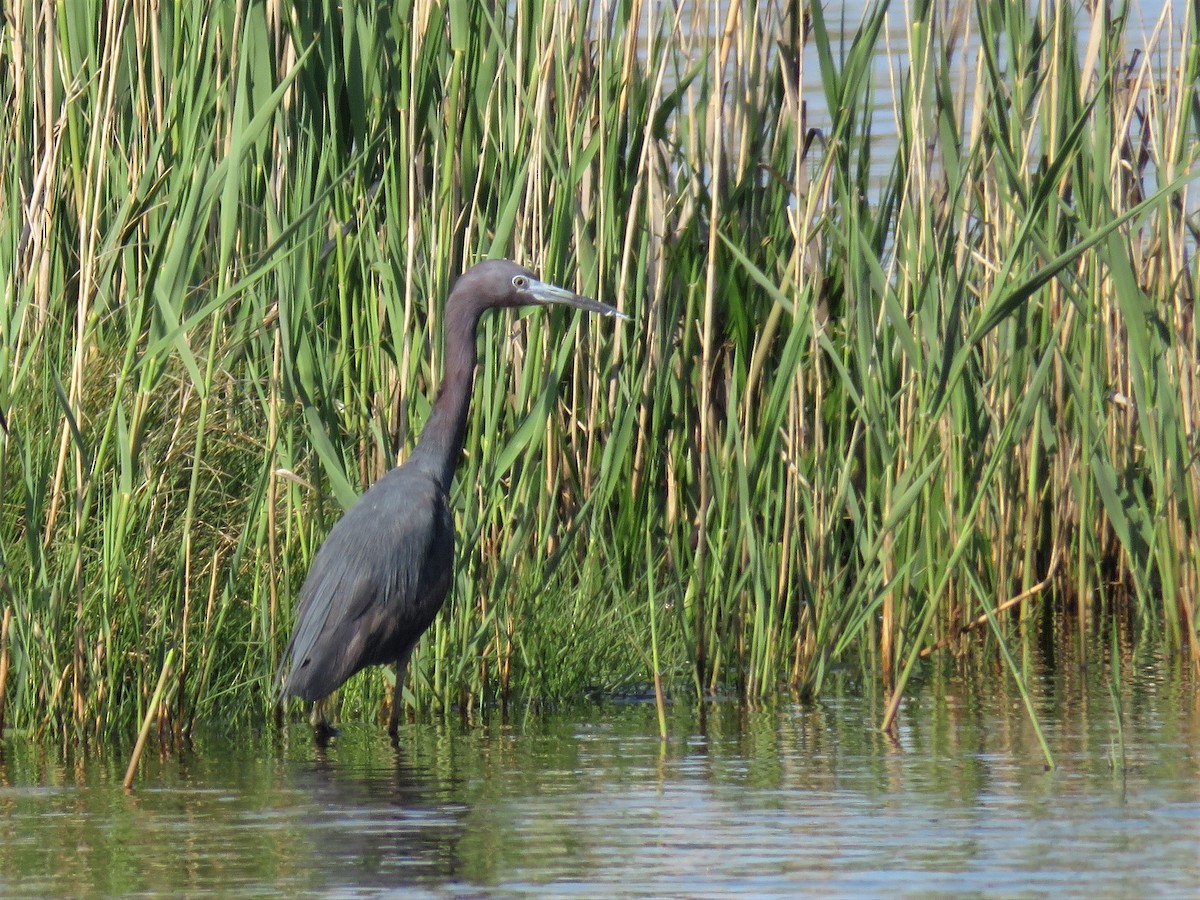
<point x="545" y="294"/>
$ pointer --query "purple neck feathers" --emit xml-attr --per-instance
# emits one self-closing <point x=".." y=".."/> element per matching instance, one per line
<point x="440" y="444"/>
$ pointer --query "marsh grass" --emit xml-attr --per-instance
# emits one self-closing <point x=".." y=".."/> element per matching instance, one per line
<point x="858" y="417"/>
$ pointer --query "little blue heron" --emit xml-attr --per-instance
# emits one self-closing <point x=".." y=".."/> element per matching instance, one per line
<point x="380" y="577"/>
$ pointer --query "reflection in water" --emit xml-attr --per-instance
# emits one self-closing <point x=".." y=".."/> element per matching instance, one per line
<point x="780" y="800"/>
<point x="387" y="824"/>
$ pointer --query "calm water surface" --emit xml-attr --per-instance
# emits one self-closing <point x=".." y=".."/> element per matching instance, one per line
<point x="789" y="800"/>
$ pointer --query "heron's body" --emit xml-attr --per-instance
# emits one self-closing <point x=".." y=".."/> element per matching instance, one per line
<point x="382" y="574"/>
<point x="375" y="585"/>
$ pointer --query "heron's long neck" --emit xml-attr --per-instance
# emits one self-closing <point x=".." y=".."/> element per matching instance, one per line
<point x="441" y="442"/>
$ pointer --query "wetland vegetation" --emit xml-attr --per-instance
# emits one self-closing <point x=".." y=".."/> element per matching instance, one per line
<point x="913" y="377"/>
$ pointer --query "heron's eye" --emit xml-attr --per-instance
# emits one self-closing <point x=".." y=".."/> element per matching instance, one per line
<point x="520" y="282"/>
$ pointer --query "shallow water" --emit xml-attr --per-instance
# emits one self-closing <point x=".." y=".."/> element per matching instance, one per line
<point x="788" y="800"/>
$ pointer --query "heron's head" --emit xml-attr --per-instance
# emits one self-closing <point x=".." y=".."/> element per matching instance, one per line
<point x="499" y="282"/>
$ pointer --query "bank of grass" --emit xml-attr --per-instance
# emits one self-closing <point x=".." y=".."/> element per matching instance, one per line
<point x="879" y="400"/>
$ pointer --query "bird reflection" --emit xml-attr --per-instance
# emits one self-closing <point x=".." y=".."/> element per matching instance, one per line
<point x="380" y="823"/>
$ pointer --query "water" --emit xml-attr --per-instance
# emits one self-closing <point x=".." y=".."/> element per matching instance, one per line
<point x="1155" y="31"/>
<point x="787" y="800"/>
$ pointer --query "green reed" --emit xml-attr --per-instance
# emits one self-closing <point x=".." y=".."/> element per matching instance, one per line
<point x="861" y="419"/>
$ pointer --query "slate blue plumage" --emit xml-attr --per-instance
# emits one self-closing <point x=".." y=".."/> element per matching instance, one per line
<point x="385" y="569"/>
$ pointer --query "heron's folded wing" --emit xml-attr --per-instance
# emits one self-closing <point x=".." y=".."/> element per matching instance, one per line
<point x="369" y="587"/>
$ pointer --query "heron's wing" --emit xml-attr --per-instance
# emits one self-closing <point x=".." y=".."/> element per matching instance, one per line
<point x="374" y="585"/>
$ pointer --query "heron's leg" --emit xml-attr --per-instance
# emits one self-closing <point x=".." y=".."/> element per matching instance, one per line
<point x="398" y="694"/>
<point x="322" y="730"/>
